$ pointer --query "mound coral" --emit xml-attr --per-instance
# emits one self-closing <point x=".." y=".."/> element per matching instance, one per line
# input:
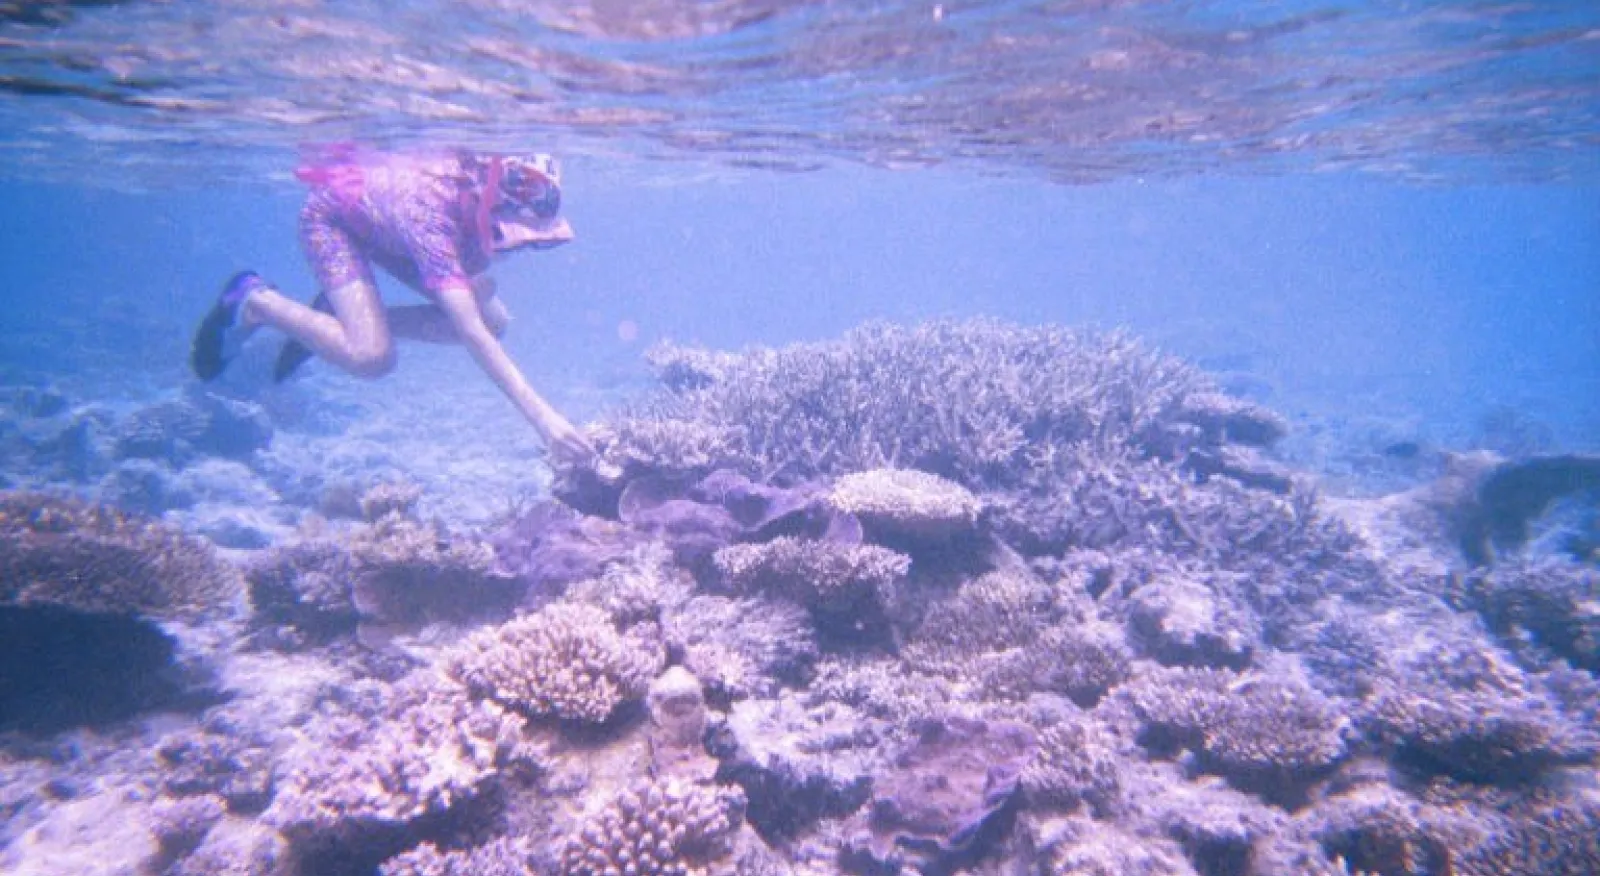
<point x="96" y="559"/>
<point x="567" y="660"/>
<point x="656" y="829"/>
<point x="908" y="504"/>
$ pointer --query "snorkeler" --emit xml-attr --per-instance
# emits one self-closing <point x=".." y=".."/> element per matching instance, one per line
<point x="432" y="221"/>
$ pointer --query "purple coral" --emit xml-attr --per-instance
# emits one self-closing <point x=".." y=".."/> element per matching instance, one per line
<point x="945" y="799"/>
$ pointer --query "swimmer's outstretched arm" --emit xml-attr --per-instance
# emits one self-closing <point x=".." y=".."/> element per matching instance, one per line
<point x="460" y="305"/>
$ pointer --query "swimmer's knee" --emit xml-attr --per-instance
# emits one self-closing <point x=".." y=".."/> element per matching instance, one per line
<point x="373" y="362"/>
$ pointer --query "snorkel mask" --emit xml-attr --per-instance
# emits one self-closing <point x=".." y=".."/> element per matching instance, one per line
<point x="521" y="200"/>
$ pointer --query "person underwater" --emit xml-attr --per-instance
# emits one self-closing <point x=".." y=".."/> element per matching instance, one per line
<point x="433" y="221"/>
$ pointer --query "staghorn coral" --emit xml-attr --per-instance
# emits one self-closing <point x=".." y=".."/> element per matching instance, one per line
<point x="1247" y="727"/>
<point x="963" y="400"/>
<point x="907" y="503"/>
<point x="1082" y="660"/>
<point x="382" y="755"/>
<point x="1001" y="609"/>
<point x="502" y="857"/>
<point x="668" y="828"/>
<point x="566" y="660"/>
<point x="93" y="558"/>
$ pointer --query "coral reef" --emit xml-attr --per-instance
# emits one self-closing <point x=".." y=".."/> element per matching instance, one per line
<point x="1079" y="762"/>
<point x="959" y="597"/>
<point x="391" y="572"/>
<point x="567" y="660"/>
<point x="383" y="755"/>
<point x="850" y="584"/>
<point x="796" y="764"/>
<point x="1553" y="605"/>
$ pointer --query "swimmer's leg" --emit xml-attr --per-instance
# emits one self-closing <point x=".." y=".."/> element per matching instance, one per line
<point x="430" y="324"/>
<point x="354" y="335"/>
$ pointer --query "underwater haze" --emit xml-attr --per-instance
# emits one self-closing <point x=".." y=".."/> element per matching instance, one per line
<point x="1078" y="437"/>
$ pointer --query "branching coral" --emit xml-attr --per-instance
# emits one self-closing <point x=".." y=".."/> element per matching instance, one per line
<point x="1245" y="726"/>
<point x="383" y="755"/>
<point x="666" y="828"/>
<point x="93" y="558"/>
<point x="817" y="574"/>
<point x="959" y="399"/>
<point x="1561" y="841"/>
<point x="1460" y="707"/>
<point x="566" y="660"/>
<point x="1078" y="762"/>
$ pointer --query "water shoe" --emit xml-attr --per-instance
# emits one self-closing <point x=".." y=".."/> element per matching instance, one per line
<point x="220" y="336"/>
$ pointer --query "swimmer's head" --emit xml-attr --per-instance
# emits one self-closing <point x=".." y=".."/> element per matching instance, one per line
<point x="530" y="186"/>
<point x="526" y="204"/>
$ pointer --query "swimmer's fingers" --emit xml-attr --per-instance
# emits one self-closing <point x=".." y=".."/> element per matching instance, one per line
<point x="567" y="444"/>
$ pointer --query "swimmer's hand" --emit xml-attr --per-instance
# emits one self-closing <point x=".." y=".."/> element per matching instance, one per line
<point x="565" y="442"/>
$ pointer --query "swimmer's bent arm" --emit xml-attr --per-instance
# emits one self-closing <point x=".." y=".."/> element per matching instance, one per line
<point x="460" y="304"/>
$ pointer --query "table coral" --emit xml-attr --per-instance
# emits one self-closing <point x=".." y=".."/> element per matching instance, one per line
<point x="908" y="503"/>
<point x="567" y="660"/>
<point x="93" y="558"/>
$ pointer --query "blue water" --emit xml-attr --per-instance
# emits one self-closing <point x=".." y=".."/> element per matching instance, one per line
<point x="1429" y="306"/>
